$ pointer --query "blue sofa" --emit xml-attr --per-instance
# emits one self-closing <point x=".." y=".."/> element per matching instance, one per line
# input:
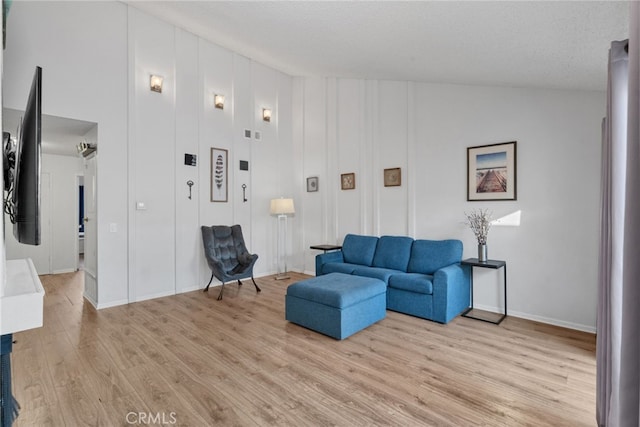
<point x="424" y="278"/>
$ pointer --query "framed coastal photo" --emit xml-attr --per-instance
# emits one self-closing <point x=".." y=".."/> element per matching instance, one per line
<point x="312" y="184"/>
<point x="392" y="177"/>
<point x="491" y="172"/>
<point x="219" y="175"/>
<point x="348" y="181"/>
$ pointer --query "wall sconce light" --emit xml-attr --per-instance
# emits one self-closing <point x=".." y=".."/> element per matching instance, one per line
<point x="85" y="148"/>
<point x="266" y="114"/>
<point x="156" y="83"/>
<point x="218" y="101"/>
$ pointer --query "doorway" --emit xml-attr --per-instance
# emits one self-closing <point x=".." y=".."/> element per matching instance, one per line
<point x="62" y="172"/>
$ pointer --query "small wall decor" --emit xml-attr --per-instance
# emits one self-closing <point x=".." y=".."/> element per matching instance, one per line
<point x="219" y="184"/>
<point x="491" y="172"/>
<point x="190" y="184"/>
<point x="392" y="177"/>
<point x="312" y="184"/>
<point x="348" y="181"/>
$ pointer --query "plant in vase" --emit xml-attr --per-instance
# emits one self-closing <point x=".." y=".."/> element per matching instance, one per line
<point x="480" y="221"/>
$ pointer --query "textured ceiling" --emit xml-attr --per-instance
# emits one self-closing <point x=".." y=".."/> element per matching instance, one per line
<point x="508" y="43"/>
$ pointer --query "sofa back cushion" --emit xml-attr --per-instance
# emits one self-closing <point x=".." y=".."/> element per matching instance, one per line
<point x="427" y="256"/>
<point x="359" y="249"/>
<point x="393" y="252"/>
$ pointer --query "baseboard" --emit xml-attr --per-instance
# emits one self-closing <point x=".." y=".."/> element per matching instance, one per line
<point x="112" y="304"/>
<point x="65" y="270"/>
<point x="91" y="301"/>
<point x="190" y="289"/>
<point x="154" y="296"/>
<point x="542" y="319"/>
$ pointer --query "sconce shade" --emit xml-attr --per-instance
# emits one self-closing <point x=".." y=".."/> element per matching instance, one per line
<point x="218" y="101"/>
<point x="266" y="114"/>
<point x="155" y="83"/>
<point x="282" y="206"/>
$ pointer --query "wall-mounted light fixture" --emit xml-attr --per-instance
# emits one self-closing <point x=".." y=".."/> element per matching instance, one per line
<point x="218" y="101"/>
<point x="85" y="148"/>
<point x="266" y="114"/>
<point x="155" y="83"/>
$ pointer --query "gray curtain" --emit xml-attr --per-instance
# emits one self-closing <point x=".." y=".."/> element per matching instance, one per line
<point x="618" y="326"/>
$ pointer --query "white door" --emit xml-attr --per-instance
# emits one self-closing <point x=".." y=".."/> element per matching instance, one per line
<point x="90" y="229"/>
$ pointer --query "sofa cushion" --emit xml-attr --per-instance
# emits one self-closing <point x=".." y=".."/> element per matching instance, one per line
<point x="338" y="267"/>
<point x="427" y="256"/>
<point x="412" y="282"/>
<point x="359" y="249"/>
<point x="393" y="252"/>
<point x="375" y="272"/>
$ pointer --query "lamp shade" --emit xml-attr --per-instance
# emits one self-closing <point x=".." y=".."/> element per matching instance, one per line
<point x="282" y="206"/>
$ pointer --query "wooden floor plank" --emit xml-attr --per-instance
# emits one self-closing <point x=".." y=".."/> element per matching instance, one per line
<point x="239" y="362"/>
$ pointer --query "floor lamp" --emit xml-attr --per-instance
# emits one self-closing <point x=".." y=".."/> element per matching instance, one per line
<point x="282" y="209"/>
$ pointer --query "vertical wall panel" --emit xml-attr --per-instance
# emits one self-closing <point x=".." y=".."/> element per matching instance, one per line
<point x="188" y="96"/>
<point x="152" y="161"/>
<point x="391" y="144"/>
<point x="315" y="164"/>
<point x="272" y="172"/>
<point x="349" y="112"/>
<point x="242" y="146"/>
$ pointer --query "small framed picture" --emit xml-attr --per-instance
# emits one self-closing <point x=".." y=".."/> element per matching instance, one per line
<point x="219" y="174"/>
<point x="491" y="172"/>
<point x="392" y="177"/>
<point x="312" y="184"/>
<point x="348" y="181"/>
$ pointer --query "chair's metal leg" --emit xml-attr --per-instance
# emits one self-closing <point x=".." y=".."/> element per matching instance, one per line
<point x="239" y="283"/>
<point x="221" y="291"/>
<point x="256" y="285"/>
<point x="208" y="284"/>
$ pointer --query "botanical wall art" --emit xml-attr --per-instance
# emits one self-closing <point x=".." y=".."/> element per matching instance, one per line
<point x="491" y="172"/>
<point x="219" y="175"/>
<point x="348" y="181"/>
<point x="312" y="184"/>
<point x="392" y="177"/>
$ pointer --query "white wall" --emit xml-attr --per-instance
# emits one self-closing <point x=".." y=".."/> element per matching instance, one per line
<point x="82" y="48"/>
<point x="97" y="58"/>
<point x="367" y="126"/>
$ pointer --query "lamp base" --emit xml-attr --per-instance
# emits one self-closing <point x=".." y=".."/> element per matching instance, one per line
<point x="282" y="276"/>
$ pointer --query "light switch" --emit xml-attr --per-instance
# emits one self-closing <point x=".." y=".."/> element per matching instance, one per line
<point x="113" y="227"/>
<point x="141" y="206"/>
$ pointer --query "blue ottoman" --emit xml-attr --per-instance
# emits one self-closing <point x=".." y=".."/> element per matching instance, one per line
<point x="336" y="304"/>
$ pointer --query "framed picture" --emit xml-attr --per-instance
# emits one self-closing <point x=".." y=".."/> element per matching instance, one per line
<point x="219" y="175"/>
<point x="491" y="172"/>
<point x="312" y="184"/>
<point x="348" y="181"/>
<point x="392" y="177"/>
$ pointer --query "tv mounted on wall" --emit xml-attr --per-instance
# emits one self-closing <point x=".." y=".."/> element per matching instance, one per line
<point x="22" y="202"/>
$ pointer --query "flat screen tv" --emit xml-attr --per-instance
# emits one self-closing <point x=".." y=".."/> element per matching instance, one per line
<point x="25" y="198"/>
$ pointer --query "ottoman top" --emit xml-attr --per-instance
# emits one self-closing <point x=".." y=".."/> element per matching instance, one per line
<point x="337" y="289"/>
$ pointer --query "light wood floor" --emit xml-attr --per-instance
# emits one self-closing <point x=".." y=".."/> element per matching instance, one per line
<point x="196" y="361"/>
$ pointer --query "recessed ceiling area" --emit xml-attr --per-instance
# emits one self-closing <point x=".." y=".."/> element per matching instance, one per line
<point x="545" y="44"/>
<point x="59" y="135"/>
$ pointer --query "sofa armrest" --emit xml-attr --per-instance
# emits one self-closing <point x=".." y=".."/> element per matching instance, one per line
<point x="451" y="292"/>
<point x="322" y="259"/>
